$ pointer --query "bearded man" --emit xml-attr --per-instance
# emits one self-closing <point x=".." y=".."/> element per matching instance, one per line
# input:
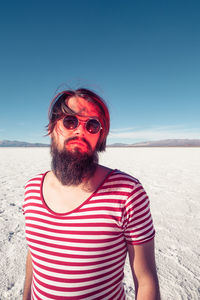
<point x="83" y="218"/>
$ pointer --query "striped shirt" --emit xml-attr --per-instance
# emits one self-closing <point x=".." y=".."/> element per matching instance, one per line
<point x="81" y="254"/>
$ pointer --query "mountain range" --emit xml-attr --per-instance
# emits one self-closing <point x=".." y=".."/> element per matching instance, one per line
<point x="161" y="143"/>
<point x="7" y="143"/>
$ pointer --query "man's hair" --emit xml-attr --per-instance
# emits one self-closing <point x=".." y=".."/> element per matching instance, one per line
<point x="59" y="108"/>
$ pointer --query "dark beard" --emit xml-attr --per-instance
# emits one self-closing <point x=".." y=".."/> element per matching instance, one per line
<point x="71" y="168"/>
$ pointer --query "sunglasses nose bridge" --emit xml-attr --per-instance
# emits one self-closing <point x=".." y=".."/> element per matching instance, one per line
<point x="80" y="126"/>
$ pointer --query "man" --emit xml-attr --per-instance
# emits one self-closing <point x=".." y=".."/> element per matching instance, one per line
<point x="81" y="217"/>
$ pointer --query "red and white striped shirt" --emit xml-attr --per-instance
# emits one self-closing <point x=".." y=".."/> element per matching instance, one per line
<point x="81" y="254"/>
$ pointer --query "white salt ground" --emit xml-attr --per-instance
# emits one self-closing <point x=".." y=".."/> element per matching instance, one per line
<point x="171" y="179"/>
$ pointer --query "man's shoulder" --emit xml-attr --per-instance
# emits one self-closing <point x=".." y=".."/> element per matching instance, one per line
<point x="117" y="173"/>
<point x="34" y="180"/>
<point x="121" y="175"/>
<point x="32" y="192"/>
<point x="118" y="176"/>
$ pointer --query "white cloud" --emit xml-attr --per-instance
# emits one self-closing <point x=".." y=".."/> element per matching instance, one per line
<point x="122" y="129"/>
<point x="158" y="133"/>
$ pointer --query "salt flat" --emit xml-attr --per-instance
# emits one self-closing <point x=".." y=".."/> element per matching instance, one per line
<point x="171" y="177"/>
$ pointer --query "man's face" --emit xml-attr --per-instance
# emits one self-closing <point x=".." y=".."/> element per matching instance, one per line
<point x="78" y="138"/>
<point x="73" y="151"/>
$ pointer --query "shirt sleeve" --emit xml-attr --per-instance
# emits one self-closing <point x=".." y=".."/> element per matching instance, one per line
<point x="137" y="223"/>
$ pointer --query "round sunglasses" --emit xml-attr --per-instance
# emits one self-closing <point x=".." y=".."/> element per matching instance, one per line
<point x="92" y="125"/>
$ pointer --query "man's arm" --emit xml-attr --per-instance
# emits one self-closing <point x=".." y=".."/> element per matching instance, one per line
<point x="142" y="262"/>
<point x="28" y="278"/>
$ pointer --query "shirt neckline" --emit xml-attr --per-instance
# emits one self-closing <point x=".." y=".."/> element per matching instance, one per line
<point x="78" y="207"/>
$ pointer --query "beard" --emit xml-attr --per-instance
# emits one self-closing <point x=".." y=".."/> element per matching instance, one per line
<point x="72" y="167"/>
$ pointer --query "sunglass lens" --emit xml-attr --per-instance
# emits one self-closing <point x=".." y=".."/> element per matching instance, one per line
<point x="93" y="126"/>
<point x="70" y="122"/>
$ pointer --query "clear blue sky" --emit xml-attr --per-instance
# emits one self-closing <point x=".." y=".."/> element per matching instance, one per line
<point x="143" y="57"/>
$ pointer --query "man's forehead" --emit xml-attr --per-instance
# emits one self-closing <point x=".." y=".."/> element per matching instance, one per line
<point x="83" y="106"/>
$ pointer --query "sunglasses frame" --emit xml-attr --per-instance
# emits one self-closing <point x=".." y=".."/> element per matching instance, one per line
<point x="85" y="123"/>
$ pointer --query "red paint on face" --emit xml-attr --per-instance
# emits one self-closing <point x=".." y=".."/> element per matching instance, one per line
<point x="82" y="137"/>
<point x="80" y="143"/>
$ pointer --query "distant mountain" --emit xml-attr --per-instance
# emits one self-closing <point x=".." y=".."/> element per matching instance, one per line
<point x="6" y="143"/>
<point x="163" y="143"/>
<point x="119" y="145"/>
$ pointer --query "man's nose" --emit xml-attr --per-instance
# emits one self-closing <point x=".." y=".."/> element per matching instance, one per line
<point x="80" y="129"/>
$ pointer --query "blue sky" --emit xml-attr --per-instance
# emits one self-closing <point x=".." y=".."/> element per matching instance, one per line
<point x="142" y="57"/>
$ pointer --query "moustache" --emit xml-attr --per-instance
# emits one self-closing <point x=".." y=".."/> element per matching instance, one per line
<point x="78" y="139"/>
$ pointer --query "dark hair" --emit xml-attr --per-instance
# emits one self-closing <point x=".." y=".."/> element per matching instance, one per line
<point x="59" y="107"/>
